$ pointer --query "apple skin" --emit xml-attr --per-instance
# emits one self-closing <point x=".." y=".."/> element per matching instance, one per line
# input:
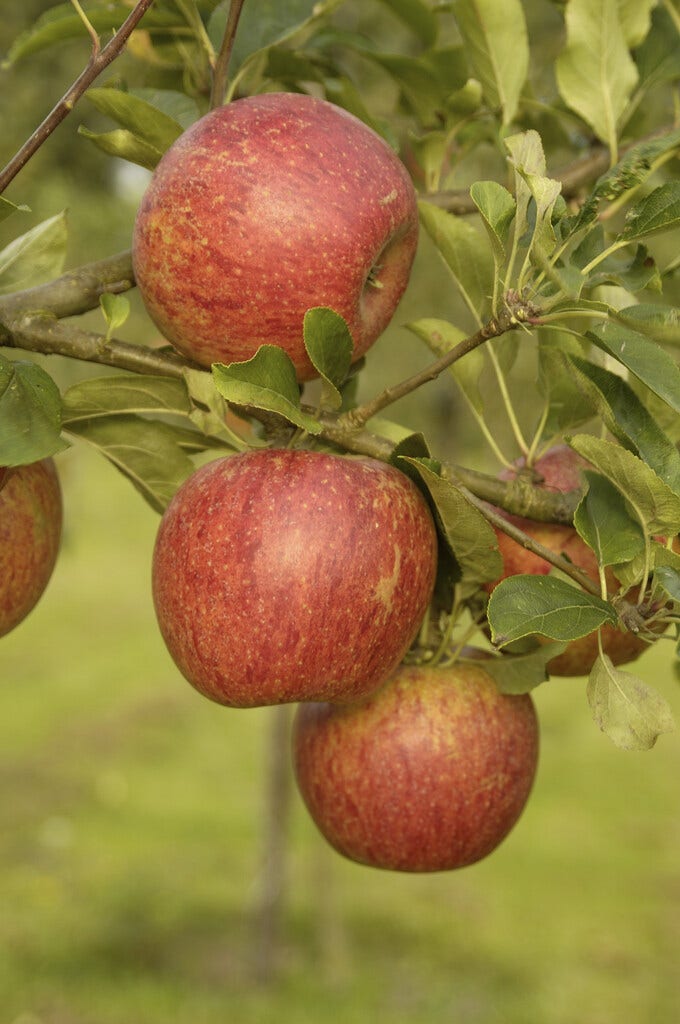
<point x="560" y="470"/>
<point x="285" y="575"/>
<point x="30" y="533"/>
<point x="428" y="774"/>
<point x="263" y="209"/>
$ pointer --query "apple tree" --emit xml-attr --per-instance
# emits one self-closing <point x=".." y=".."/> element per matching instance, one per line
<point x="295" y="149"/>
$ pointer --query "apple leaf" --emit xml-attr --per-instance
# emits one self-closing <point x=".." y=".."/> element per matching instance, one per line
<point x="125" y="394"/>
<point x="668" y="577"/>
<point x="62" y="22"/>
<point x="602" y="521"/>
<point x="115" y="309"/>
<point x="631" y="713"/>
<point x="34" y="257"/>
<point x="209" y="412"/>
<point x="659" y="211"/>
<point x="628" y="173"/>
<point x="651" y="499"/>
<point x="7" y="209"/>
<point x="150" y="125"/>
<point x="568" y="404"/>
<point x="30" y="414"/>
<point x="628" y="419"/>
<point x="497" y="208"/>
<point x="495" y="38"/>
<point x="419" y="17"/>
<point x="595" y="72"/>
<point x="650" y="363"/>
<point x="469" y="261"/>
<point x="124" y="144"/>
<point x="149" y="453"/>
<point x="521" y="673"/>
<point x="527" y="157"/>
<point x="636" y="18"/>
<point x="470" y="537"/>
<point x="267" y="382"/>
<point x="180" y="108"/>
<point x="329" y="346"/>
<point x="662" y="323"/>
<point x="524" y="605"/>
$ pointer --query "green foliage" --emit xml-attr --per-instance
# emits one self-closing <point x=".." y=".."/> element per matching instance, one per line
<point x="30" y="414"/>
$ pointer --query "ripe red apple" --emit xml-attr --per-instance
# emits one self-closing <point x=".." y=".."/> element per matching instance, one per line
<point x="263" y="209"/>
<point x="30" y="532"/>
<point x="428" y="774"/>
<point x="560" y="470"/>
<point x="285" y="575"/>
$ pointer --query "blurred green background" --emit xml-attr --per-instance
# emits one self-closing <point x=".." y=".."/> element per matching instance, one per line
<point x="132" y="813"/>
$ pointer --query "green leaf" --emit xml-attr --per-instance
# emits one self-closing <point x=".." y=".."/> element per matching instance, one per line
<point x="525" y="605"/>
<point x="653" y="502"/>
<point x="668" y="577"/>
<point x="125" y="394"/>
<point x="636" y="275"/>
<point x="626" y="709"/>
<point x="521" y="673"/>
<point x="465" y="254"/>
<point x="209" y="411"/>
<point x="595" y="72"/>
<point x="149" y="124"/>
<point x="35" y="257"/>
<point x="495" y="39"/>
<point x="628" y="419"/>
<point x="419" y="17"/>
<point x="470" y="537"/>
<point x="659" y="211"/>
<point x="329" y="346"/>
<point x="7" y="209"/>
<point x="180" y="108"/>
<point x="628" y="173"/>
<point x="636" y="18"/>
<point x="602" y="521"/>
<point x="149" y="453"/>
<point x="650" y="364"/>
<point x="267" y="382"/>
<point x="497" y="208"/>
<point x="30" y="414"/>
<point x="124" y="144"/>
<point x="527" y="158"/>
<point x="115" y="309"/>
<point x="662" y="323"/>
<point x="568" y="406"/>
<point x="62" y="22"/>
<point x="419" y="86"/>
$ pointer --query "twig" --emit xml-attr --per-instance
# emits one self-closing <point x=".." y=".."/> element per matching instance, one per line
<point x="99" y="60"/>
<point x="509" y="318"/>
<point x="219" y="83"/>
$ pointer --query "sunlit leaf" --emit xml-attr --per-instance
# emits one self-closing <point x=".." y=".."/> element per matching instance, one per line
<point x="329" y="346"/>
<point x="495" y="37"/>
<point x="595" y="72"/>
<point x="650" y="363"/>
<point x="659" y="211"/>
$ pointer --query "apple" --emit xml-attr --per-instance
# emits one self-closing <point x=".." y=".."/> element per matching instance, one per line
<point x="428" y="774"/>
<point x="30" y="532"/>
<point x="263" y="209"/>
<point x="285" y="575"/>
<point x="559" y="469"/>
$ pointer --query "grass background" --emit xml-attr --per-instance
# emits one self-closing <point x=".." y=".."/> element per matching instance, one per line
<point x="131" y="843"/>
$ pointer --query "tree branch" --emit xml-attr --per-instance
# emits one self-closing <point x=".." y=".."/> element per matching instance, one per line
<point x="99" y="60"/>
<point x="75" y="292"/>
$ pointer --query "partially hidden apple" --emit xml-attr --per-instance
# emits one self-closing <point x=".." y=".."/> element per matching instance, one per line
<point x="263" y="209"/>
<point x="428" y="774"/>
<point x="559" y="469"/>
<point x="30" y="534"/>
<point x="286" y="575"/>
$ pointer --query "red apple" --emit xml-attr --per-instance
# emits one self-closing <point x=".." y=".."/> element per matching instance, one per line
<point x="428" y="774"/>
<point x="30" y="532"/>
<point x="560" y="470"/>
<point x="285" y="575"/>
<point x="263" y="209"/>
